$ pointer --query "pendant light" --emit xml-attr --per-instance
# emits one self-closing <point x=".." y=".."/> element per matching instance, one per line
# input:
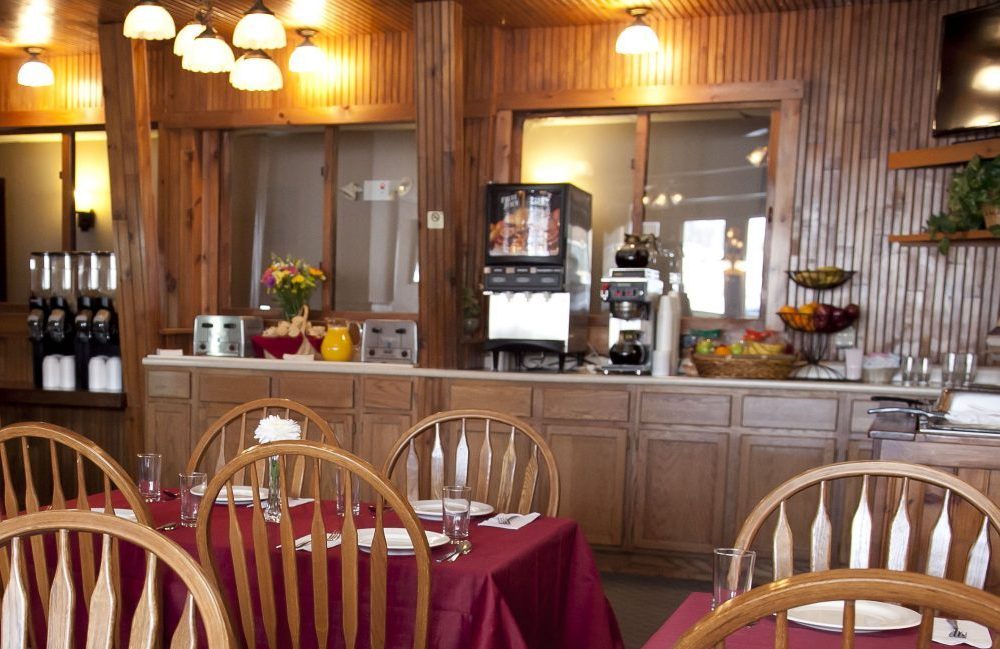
<point x="149" y="21"/>
<point x="190" y="31"/>
<point x="209" y="52"/>
<point x="637" y="38"/>
<point x="255" y="70"/>
<point x="307" y="56"/>
<point x="34" y="73"/>
<point x="259" y="29"/>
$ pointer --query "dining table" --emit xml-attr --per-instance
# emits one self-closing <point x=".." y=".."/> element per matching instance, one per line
<point x="536" y="587"/>
<point x="761" y="634"/>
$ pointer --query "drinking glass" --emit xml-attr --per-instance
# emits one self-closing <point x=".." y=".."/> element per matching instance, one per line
<point x="149" y="476"/>
<point x="192" y="489"/>
<point x="355" y="493"/>
<point x="732" y="574"/>
<point x="923" y="370"/>
<point x="455" y="504"/>
<point x="969" y="369"/>
<point x="908" y="370"/>
<point x="951" y="370"/>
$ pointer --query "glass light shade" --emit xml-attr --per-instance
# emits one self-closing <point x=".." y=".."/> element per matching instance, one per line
<point x="208" y="52"/>
<point x="256" y="71"/>
<point x="307" y="57"/>
<point x="259" y="29"/>
<point x="637" y="38"/>
<point x="186" y="36"/>
<point x="35" y="73"/>
<point x="149" y="21"/>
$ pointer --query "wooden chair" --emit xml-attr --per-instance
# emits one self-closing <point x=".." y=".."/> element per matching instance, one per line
<point x="103" y="600"/>
<point x="902" y="495"/>
<point x="503" y="496"/>
<point x="245" y="417"/>
<point x="310" y="459"/>
<point x="950" y="598"/>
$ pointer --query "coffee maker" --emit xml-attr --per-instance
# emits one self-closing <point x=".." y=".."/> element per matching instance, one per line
<point x="96" y="322"/>
<point x="50" y="306"/>
<point x="633" y="296"/>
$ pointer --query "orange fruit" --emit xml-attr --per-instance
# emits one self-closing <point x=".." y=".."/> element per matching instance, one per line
<point x="722" y="350"/>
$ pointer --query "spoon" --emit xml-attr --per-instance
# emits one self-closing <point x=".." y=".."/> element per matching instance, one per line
<point x="464" y="547"/>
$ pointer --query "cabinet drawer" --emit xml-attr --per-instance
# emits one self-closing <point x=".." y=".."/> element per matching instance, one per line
<point x="861" y="421"/>
<point x="233" y="387"/>
<point x="702" y="409"/>
<point x="316" y="391"/>
<point x="790" y="412"/>
<point x="606" y="405"/>
<point x="388" y="394"/>
<point x="170" y="385"/>
<point x="492" y="395"/>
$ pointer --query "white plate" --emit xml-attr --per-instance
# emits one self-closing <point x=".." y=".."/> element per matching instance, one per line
<point x="431" y="509"/>
<point x="869" y="617"/>
<point x="397" y="540"/>
<point x="127" y="514"/>
<point x="242" y="495"/>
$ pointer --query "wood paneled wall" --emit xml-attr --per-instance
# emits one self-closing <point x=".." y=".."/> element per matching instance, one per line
<point x="869" y="72"/>
<point x="75" y="98"/>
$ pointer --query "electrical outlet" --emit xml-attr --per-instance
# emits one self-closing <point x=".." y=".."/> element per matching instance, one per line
<point x="435" y="220"/>
<point x="846" y="338"/>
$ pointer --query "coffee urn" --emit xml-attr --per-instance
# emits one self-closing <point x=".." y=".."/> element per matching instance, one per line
<point x="96" y="322"/>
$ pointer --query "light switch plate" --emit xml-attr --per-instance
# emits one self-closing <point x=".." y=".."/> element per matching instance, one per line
<point x="435" y="220"/>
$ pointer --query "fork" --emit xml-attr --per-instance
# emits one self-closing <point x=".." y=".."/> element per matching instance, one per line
<point x="301" y="543"/>
<point x="506" y="519"/>
<point x="955" y="633"/>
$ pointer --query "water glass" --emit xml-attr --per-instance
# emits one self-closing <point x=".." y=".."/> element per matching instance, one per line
<point x="192" y="489"/>
<point x="732" y="574"/>
<point x="149" y="476"/>
<point x="969" y="369"/>
<point x="923" y="370"/>
<point x="456" y="501"/>
<point x="916" y="369"/>
<point x="355" y="492"/>
<point x="951" y="369"/>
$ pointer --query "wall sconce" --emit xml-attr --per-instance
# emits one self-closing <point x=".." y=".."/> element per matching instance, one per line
<point x="85" y="220"/>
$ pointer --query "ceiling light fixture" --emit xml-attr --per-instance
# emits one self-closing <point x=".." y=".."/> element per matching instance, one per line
<point x="209" y="52"/>
<point x="259" y="29"/>
<point x="637" y="38"/>
<point x="255" y="70"/>
<point x="34" y="73"/>
<point x="307" y="56"/>
<point x="149" y="21"/>
<point x="190" y="31"/>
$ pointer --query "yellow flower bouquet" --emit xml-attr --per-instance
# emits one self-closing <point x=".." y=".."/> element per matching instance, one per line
<point x="291" y="282"/>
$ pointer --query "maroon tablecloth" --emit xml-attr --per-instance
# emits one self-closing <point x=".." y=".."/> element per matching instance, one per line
<point x="536" y="587"/>
<point x="761" y="635"/>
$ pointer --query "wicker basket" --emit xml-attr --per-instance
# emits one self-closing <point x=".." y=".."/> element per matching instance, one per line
<point x="744" y="366"/>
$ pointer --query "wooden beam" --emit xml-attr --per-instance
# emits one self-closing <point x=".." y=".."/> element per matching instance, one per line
<point x="224" y="260"/>
<point x="51" y="118"/>
<point x="640" y="165"/>
<point x="440" y="147"/>
<point x="944" y="155"/>
<point x="666" y="95"/>
<point x="67" y="177"/>
<point x="503" y="132"/>
<point x="126" y="101"/>
<point x="329" y="290"/>
<point x="321" y="115"/>
<point x="208" y="252"/>
<point x="782" y="208"/>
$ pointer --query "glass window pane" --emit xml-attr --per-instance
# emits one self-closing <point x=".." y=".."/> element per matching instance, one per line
<point x="704" y="245"/>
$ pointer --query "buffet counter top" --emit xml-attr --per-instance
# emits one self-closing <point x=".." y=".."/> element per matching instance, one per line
<point x="378" y="369"/>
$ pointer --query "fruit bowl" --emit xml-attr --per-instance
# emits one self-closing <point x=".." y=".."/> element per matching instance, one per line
<point x="744" y="366"/>
<point x="820" y="278"/>
<point x="825" y="319"/>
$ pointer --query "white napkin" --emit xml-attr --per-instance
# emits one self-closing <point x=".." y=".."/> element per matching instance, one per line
<point x="517" y="521"/>
<point x="308" y="546"/>
<point x="127" y="514"/>
<point x="293" y="502"/>
<point x="976" y="634"/>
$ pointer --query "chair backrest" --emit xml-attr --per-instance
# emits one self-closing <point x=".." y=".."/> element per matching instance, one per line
<point x="105" y="600"/>
<point x="456" y="461"/>
<point x="233" y="432"/>
<point x="245" y="526"/>
<point x="28" y="444"/>
<point x="900" y="513"/>
<point x="950" y="598"/>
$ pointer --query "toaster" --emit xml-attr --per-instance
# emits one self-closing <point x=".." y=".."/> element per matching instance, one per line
<point x="389" y="341"/>
<point x="225" y="335"/>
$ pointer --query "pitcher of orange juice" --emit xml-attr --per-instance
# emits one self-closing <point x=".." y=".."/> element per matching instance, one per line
<point x="337" y="343"/>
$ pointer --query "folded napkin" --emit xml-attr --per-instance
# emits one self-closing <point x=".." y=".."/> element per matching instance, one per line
<point x="516" y="522"/>
<point x="304" y="543"/>
<point x="976" y="634"/>
<point x="293" y="502"/>
<point x="127" y="514"/>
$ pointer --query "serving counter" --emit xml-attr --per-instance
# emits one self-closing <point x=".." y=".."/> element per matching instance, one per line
<point x="658" y="471"/>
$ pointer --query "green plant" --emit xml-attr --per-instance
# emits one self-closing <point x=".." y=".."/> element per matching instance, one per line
<point x="470" y="304"/>
<point x="972" y="188"/>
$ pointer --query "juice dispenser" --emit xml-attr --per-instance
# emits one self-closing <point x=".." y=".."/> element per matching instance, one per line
<point x="40" y="276"/>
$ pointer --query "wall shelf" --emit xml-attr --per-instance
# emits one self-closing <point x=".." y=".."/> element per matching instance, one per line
<point x="923" y="238"/>
<point x="944" y="155"/>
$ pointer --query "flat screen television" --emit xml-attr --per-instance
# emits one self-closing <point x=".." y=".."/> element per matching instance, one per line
<point x="968" y="86"/>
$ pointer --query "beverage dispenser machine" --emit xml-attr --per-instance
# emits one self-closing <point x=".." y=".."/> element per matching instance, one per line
<point x="53" y="294"/>
<point x="96" y="324"/>
<point x="537" y="275"/>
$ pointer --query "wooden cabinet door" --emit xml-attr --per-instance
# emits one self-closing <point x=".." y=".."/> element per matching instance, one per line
<point x="376" y="438"/>
<point x="168" y="432"/>
<point x="591" y="463"/>
<point x="681" y="487"/>
<point x="342" y="425"/>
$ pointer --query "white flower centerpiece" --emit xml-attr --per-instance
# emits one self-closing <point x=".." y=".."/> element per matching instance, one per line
<point x="275" y="429"/>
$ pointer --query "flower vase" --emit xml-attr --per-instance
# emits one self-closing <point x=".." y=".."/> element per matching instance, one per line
<point x="272" y="508"/>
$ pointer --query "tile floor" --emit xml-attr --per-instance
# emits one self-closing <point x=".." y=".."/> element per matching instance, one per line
<point x="643" y="603"/>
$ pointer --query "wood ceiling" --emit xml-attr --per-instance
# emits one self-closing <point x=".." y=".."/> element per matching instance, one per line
<point x="71" y="25"/>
